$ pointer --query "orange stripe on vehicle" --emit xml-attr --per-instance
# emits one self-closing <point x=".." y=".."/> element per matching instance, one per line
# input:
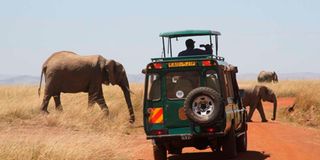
<point x="156" y="115"/>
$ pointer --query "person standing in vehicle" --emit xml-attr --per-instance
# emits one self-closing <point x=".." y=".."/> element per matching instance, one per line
<point x="191" y="51"/>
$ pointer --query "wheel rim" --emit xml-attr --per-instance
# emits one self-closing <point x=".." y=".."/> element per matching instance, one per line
<point x="203" y="106"/>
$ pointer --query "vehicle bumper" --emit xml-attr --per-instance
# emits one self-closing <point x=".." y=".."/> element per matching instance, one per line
<point x="185" y="136"/>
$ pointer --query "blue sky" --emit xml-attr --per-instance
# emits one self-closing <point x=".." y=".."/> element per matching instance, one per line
<point x="257" y="35"/>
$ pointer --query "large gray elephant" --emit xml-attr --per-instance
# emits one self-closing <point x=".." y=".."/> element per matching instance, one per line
<point x="265" y="76"/>
<point x="252" y="98"/>
<point x="68" y="72"/>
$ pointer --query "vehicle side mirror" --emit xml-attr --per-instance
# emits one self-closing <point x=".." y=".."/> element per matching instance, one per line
<point x="143" y="71"/>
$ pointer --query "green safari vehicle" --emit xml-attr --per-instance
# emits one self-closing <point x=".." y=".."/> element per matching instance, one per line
<point x="193" y="101"/>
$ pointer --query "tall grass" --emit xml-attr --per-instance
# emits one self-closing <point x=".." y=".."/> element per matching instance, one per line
<point x="76" y="133"/>
<point x="286" y="88"/>
<point x="306" y="110"/>
<point x="82" y="133"/>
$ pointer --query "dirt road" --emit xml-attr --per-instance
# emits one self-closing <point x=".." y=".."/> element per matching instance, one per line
<point x="273" y="140"/>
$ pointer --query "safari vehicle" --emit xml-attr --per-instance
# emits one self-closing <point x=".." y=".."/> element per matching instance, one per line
<point x="193" y="101"/>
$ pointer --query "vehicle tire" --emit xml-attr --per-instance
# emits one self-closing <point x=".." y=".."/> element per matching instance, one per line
<point x="202" y="105"/>
<point x="159" y="152"/>
<point x="242" y="142"/>
<point x="216" y="147"/>
<point x="229" y="146"/>
<point x="176" y="151"/>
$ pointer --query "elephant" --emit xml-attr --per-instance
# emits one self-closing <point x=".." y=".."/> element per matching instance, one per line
<point x="68" y="72"/>
<point x="265" y="76"/>
<point x="252" y="97"/>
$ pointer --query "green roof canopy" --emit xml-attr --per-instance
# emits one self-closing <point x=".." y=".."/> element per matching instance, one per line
<point x="189" y="33"/>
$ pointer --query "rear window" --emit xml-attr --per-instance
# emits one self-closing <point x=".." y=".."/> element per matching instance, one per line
<point x="154" y="85"/>
<point x="179" y="84"/>
<point x="212" y="80"/>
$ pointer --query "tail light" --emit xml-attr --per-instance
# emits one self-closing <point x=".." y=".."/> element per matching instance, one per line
<point x="207" y="63"/>
<point x="157" y="65"/>
<point x="210" y="130"/>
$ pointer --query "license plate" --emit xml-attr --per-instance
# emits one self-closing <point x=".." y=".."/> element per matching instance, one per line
<point x="186" y="137"/>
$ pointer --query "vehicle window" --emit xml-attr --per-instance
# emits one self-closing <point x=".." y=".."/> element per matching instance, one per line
<point x="154" y="87"/>
<point x="228" y="82"/>
<point x="212" y="80"/>
<point x="179" y="84"/>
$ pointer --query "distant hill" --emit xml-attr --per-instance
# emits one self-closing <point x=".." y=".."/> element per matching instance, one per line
<point x="21" y="79"/>
<point x="139" y="78"/>
<point x="247" y="76"/>
<point x="136" y="78"/>
<point x="26" y="79"/>
<point x="283" y="76"/>
<point x="299" y="76"/>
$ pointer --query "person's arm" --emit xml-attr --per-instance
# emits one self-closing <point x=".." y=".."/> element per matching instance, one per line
<point x="209" y="49"/>
<point x="201" y="52"/>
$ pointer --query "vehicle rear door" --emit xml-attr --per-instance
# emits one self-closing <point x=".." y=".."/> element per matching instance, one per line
<point x="178" y="86"/>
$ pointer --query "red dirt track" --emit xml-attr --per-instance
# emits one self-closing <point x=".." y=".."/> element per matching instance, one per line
<point x="273" y="140"/>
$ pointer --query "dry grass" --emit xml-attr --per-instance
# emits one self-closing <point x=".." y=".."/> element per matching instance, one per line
<point x="307" y="100"/>
<point x="62" y="145"/>
<point x="306" y="110"/>
<point x="82" y="133"/>
<point x="76" y="133"/>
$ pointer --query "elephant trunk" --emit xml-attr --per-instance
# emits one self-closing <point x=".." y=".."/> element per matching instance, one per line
<point x="274" y="108"/>
<point x="126" y="91"/>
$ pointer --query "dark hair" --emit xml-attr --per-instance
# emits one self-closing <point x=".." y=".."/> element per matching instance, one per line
<point x="189" y="43"/>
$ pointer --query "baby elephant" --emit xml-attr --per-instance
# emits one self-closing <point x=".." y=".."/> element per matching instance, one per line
<point x="252" y="98"/>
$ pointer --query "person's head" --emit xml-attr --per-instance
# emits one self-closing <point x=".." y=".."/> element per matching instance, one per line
<point x="190" y="43"/>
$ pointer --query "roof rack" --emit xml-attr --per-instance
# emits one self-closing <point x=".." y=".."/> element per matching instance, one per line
<point x="184" y="58"/>
<point x="189" y="33"/>
<point x="186" y="33"/>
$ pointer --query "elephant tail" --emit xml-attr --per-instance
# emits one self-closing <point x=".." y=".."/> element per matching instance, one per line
<point x="42" y="72"/>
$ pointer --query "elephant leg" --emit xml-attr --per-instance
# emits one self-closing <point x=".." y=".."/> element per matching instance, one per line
<point x="91" y="99"/>
<point x="251" y="110"/>
<point x="96" y="96"/>
<point x="45" y="103"/>
<point x="57" y="101"/>
<point x="101" y="102"/>
<point x="261" y="111"/>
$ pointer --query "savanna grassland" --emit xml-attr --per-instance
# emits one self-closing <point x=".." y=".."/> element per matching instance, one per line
<point x="75" y="133"/>
<point x="82" y="133"/>
<point x="306" y="109"/>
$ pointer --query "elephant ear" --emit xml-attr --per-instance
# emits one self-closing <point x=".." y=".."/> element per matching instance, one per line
<point x="260" y="91"/>
<point x="110" y="68"/>
<point x="263" y="92"/>
<point x="120" y="71"/>
<point x="115" y="72"/>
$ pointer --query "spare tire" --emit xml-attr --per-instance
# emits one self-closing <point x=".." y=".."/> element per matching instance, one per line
<point x="202" y="105"/>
